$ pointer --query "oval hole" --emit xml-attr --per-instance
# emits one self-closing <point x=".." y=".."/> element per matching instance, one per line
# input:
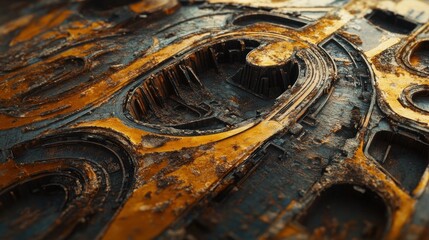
<point x="421" y="100"/>
<point x="419" y="57"/>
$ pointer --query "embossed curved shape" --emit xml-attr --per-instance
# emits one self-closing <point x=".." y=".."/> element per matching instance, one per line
<point x="215" y="87"/>
<point x="64" y="179"/>
<point x="43" y="83"/>
<point x="219" y="119"/>
<point x="416" y="97"/>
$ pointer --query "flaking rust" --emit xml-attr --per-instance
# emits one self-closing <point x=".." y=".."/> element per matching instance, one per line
<point x="218" y="119"/>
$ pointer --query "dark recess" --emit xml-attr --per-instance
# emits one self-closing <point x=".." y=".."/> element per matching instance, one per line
<point x="211" y="88"/>
<point x="52" y="204"/>
<point x="347" y="212"/>
<point x="421" y="100"/>
<point x="419" y="56"/>
<point x="390" y="21"/>
<point x="28" y="207"/>
<point x="404" y="158"/>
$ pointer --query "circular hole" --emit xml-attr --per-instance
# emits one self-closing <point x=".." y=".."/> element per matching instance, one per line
<point x="421" y="100"/>
<point x="419" y="57"/>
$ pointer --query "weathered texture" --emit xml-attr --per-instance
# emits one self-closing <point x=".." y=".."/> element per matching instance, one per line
<point x="218" y="119"/>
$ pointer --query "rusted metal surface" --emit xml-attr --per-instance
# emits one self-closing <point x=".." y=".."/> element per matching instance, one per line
<point x="214" y="119"/>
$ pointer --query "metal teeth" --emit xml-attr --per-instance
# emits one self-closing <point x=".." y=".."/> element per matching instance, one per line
<point x="183" y="86"/>
<point x="267" y="82"/>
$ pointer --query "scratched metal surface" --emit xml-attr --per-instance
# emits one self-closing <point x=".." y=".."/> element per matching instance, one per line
<point x="218" y="119"/>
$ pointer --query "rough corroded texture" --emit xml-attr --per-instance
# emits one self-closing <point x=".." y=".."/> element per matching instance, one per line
<point x="218" y="119"/>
